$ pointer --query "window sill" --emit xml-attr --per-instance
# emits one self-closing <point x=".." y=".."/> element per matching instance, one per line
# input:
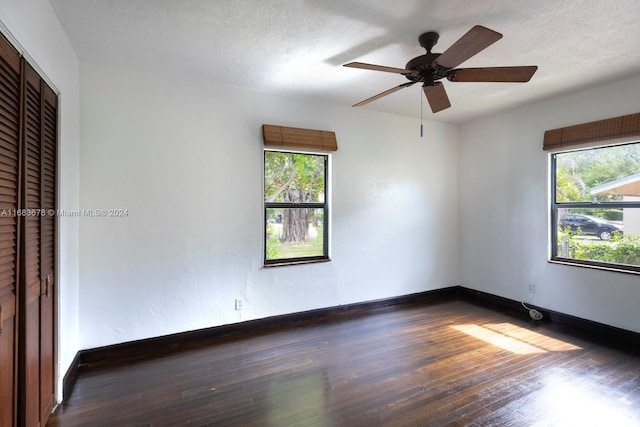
<point x="611" y="268"/>
<point x="285" y="263"/>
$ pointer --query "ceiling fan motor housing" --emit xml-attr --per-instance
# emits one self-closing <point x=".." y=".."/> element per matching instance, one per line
<point x="425" y="67"/>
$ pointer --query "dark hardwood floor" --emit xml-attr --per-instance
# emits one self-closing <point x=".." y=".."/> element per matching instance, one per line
<point x="447" y="363"/>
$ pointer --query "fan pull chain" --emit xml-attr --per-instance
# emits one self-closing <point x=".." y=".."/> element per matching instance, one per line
<point x="421" y="127"/>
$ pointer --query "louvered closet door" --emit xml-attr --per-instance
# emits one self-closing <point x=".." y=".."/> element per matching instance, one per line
<point x="30" y="328"/>
<point x="37" y="264"/>
<point x="47" y="249"/>
<point x="28" y="151"/>
<point x="9" y="203"/>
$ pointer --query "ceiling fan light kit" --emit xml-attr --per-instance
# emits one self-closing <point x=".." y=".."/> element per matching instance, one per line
<point x="431" y="67"/>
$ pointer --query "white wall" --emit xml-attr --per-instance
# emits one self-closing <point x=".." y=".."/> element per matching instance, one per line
<point x="504" y="209"/>
<point x="185" y="159"/>
<point x="33" y="24"/>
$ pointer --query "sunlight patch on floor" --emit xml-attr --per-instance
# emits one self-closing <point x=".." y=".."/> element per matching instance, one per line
<point x="533" y="338"/>
<point x="514" y="338"/>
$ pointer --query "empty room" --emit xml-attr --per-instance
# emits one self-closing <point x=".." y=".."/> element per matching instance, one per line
<point x="319" y="213"/>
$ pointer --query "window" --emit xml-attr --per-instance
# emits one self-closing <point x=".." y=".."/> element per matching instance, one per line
<point x="595" y="207"/>
<point x="296" y="210"/>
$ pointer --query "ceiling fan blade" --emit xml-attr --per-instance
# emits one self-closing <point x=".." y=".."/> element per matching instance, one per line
<point x="494" y="74"/>
<point x="475" y="40"/>
<point x="377" y="68"/>
<point x="385" y="93"/>
<point x="437" y="97"/>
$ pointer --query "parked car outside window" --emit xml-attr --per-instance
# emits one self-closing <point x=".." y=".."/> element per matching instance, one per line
<point x="589" y="225"/>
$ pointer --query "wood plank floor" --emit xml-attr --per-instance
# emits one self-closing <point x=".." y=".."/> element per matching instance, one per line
<point x="449" y="363"/>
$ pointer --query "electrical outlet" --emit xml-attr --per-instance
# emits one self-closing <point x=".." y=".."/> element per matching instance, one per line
<point x="238" y="304"/>
<point x="532" y="288"/>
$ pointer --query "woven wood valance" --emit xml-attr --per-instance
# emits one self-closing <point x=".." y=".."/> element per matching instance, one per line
<point x="307" y="139"/>
<point x="617" y="128"/>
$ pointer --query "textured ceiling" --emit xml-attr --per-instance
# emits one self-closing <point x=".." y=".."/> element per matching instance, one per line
<point x="297" y="47"/>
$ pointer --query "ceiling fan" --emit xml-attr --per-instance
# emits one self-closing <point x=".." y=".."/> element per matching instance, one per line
<point x="429" y="68"/>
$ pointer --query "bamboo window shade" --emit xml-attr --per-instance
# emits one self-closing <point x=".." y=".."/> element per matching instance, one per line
<point x="617" y="128"/>
<point x="297" y="138"/>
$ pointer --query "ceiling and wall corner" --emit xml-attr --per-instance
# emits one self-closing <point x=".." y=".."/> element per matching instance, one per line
<point x="298" y="48"/>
